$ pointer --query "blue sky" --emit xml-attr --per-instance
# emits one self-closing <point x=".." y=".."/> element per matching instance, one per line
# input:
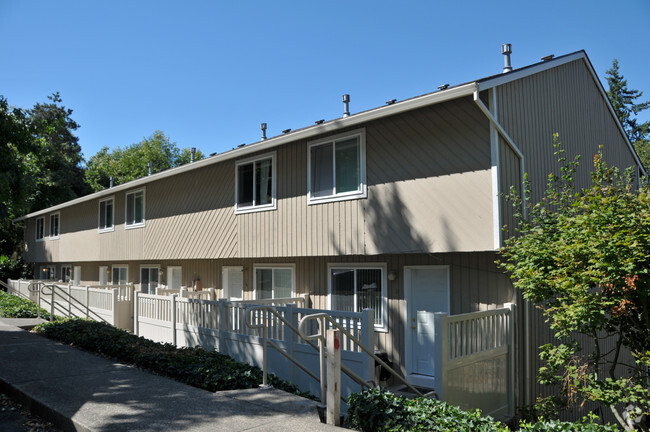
<point x="208" y="73"/>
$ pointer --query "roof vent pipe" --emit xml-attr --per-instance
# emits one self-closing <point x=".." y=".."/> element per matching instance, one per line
<point x="150" y="168"/>
<point x="346" y="104"/>
<point x="506" y="50"/>
<point x="112" y="182"/>
<point x="263" y="127"/>
<point x="192" y="154"/>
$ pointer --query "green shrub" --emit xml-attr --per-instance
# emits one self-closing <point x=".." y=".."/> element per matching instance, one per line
<point x="12" y="306"/>
<point x="380" y="410"/>
<point x="197" y="367"/>
<point x="560" y="426"/>
<point x="14" y="268"/>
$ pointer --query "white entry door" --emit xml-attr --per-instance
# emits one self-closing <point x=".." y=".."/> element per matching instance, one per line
<point x="426" y="292"/>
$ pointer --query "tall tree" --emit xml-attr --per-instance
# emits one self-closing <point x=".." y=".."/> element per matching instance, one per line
<point x="40" y="163"/>
<point x="623" y="101"/>
<point x="132" y="162"/>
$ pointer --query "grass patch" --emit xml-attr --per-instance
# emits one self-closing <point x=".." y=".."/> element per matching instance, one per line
<point x="197" y="367"/>
<point x="12" y="306"/>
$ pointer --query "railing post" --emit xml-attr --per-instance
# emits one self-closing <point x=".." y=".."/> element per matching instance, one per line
<point x="115" y="315"/>
<point x="367" y="336"/>
<point x="87" y="302"/>
<point x="52" y="289"/>
<point x="265" y="356"/>
<point x="69" y="302"/>
<point x="512" y="359"/>
<point x="289" y="336"/>
<point x="222" y="321"/>
<point x="135" y="313"/>
<point x="173" y="304"/>
<point x="333" y="377"/>
<point x="441" y="352"/>
<point x="321" y="352"/>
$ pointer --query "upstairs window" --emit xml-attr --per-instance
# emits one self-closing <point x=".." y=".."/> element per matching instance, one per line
<point x="106" y="213"/>
<point x="40" y="229"/>
<point x="337" y="168"/>
<point x="255" y="184"/>
<point x="135" y="209"/>
<point x="54" y="226"/>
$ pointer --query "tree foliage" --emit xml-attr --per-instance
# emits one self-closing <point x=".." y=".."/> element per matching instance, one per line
<point x="132" y="162"/>
<point x="584" y="258"/>
<point x="623" y="101"/>
<point x="40" y="163"/>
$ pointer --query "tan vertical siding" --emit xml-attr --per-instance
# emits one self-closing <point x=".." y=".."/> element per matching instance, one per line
<point x="509" y="176"/>
<point x="567" y="101"/>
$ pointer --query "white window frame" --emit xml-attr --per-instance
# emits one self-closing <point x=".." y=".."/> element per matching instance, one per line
<point x="56" y="235"/>
<point x="149" y="266"/>
<point x="40" y="221"/>
<point x="63" y="272"/>
<point x="383" y="327"/>
<point x="128" y="225"/>
<point x="274" y="175"/>
<point x="272" y="267"/>
<point x="119" y="266"/>
<point x="363" y="188"/>
<point x="99" y="215"/>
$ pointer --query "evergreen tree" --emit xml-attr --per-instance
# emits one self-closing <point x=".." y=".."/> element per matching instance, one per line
<point x="623" y="101"/>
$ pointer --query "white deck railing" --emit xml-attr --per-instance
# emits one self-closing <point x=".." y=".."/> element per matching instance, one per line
<point x="476" y="360"/>
<point x="221" y="325"/>
<point x="108" y="303"/>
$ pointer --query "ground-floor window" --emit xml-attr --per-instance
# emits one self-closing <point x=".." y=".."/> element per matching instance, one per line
<point x="47" y="272"/>
<point x="120" y="275"/>
<point x="149" y="279"/>
<point x="66" y="273"/>
<point x="273" y="282"/>
<point x="359" y="287"/>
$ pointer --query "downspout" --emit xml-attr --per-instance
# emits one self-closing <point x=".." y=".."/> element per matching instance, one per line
<point x="501" y="132"/>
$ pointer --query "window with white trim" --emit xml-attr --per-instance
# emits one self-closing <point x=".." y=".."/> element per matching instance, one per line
<point x="274" y="282"/>
<point x="357" y="287"/>
<point x="255" y="184"/>
<point x="120" y="275"/>
<point x="149" y="278"/>
<point x="54" y="226"/>
<point x="337" y="168"/>
<point x="106" y="215"/>
<point x="40" y="228"/>
<point x="135" y="209"/>
<point x="66" y="273"/>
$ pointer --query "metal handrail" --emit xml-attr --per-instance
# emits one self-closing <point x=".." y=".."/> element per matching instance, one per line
<point x="70" y="299"/>
<point x="321" y="317"/>
<point x="265" y="340"/>
<point x="300" y="331"/>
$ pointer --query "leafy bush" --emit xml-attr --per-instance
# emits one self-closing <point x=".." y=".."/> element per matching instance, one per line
<point x="14" y="268"/>
<point x="380" y="410"/>
<point x="12" y="306"/>
<point x="197" y="367"/>
<point x="560" y="426"/>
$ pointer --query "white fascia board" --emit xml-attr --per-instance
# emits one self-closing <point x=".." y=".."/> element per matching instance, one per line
<point x="340" y="123"/>
<point x="528" y="71"/>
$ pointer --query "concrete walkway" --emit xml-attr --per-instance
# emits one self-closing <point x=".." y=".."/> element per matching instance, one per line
<point x="79" y="391"/>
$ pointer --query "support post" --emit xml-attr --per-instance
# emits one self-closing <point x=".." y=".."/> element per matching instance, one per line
<point x="87" y="302"/>
<point x="114" y="306"/>
<point x="333" y="377"/>
<point x="221" y="324"/>
<point x="52" y="303"/>
<point x="135" y="313"/>
<point x="173" y="314"/>
<point x="289" y="336"/>
<point x="441" y="352"/>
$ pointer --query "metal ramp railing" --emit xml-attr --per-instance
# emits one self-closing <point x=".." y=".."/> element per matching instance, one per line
<point x="267" y="312"/>
<point x="53" y="291"/>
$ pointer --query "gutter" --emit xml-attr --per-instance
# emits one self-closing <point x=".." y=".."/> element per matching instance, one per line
<point x="501" y="132"/>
